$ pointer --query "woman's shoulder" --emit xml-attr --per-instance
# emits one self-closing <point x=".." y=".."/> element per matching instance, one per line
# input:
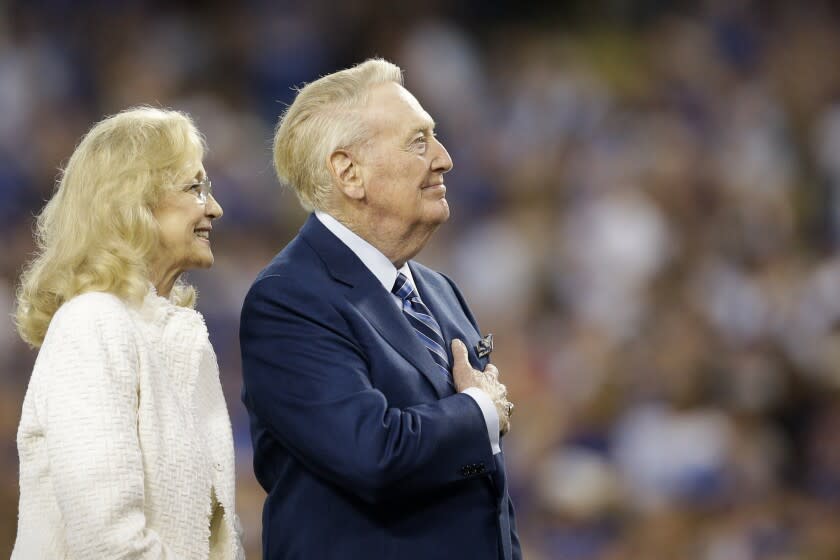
<point x="97" y="310"/>
<point x="92" y="304"/>
<point x="88" y="322"/>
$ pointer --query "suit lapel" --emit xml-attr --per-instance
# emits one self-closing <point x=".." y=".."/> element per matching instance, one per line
<point x="375" y="303"/>
<point x="442" y="308"/>
<point x="382" y="312"/>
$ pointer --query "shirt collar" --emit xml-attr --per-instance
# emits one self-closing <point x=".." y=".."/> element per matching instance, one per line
<point x="379" y="265"/>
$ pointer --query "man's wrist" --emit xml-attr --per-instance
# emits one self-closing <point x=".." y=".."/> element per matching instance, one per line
<point x="490" y="413"/>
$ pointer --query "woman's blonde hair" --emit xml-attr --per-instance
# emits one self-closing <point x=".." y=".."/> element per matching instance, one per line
<point x="98" y="231"/>
<point x="323" y="118"/>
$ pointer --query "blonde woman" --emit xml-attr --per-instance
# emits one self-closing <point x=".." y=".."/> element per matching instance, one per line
<point x="125" y="441"/>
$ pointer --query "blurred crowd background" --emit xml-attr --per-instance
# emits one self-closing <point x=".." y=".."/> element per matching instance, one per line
<point x="645" y="213"/>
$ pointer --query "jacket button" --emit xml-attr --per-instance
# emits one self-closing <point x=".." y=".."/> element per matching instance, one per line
<point x="218" y="467"/>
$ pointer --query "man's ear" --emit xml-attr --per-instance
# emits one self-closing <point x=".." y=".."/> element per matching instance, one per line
<point x="347" y="174"/>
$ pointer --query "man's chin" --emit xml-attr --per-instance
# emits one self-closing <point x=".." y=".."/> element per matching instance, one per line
<point x="442" y="211"/>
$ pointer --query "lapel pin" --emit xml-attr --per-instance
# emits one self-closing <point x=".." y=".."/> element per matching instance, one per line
<point x="484" y="346"/>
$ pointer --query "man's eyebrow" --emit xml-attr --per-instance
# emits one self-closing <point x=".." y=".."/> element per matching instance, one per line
<point x="428" y="126"/>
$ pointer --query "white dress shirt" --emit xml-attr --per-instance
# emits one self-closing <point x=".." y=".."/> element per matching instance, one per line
<point x="386" y="273"/>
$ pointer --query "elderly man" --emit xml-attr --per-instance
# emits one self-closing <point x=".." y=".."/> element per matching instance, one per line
<point x="375" y="415"/>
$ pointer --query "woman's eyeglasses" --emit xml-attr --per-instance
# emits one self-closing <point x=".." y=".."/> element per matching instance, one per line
<point x="200" y="189"/>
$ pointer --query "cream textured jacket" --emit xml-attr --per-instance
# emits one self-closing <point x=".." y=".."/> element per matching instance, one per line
<point x="125" y="441"/>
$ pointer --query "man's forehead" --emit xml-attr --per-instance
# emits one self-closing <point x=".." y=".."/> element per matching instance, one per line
<point x="409" y="98"/>
<point x="391" y="99"/>
<point x="424" y="117"/>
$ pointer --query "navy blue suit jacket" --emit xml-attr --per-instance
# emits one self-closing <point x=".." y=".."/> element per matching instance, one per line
<point x="365" y="450"/>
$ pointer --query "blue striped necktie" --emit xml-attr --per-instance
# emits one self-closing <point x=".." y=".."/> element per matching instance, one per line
<point x="422" y="321"/>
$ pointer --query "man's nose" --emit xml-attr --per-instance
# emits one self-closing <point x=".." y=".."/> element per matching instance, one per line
<point x="441" y="161"/>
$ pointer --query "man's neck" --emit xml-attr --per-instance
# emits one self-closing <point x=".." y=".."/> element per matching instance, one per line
<point x="398" y="246"/>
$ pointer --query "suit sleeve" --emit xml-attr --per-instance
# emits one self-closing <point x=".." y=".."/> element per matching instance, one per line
<point x="307" y="381"/>
<point x="87" y="403"/>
